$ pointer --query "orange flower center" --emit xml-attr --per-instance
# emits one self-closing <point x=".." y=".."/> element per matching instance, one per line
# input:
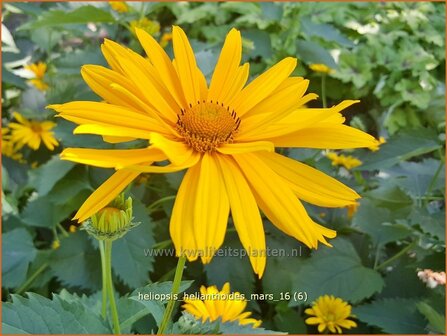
<point x="207" y="125"/>
<point x="36" y="127"/>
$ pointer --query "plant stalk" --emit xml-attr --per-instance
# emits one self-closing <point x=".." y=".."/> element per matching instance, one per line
<point x="174" y="291"/>
<point x="109" y="285"/>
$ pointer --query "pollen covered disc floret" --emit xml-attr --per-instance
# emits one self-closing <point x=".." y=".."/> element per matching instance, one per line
<point x="207" y="125"/>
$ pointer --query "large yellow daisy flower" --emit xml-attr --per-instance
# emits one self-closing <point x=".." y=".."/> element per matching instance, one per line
<point x="213" y="304"/>
<point x="224" y="134"/>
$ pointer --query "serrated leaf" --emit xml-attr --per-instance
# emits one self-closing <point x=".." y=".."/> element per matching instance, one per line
<point x="18" y="252"/>
<point x="76" y="263"/>
<point x="394" y="316"/>
<point x="46" y="176"/>
<point x="156" y="307"/>
<point x="337" y="271"/>
<point x="81" y="15"/>
<point x="375" y="222"/>
<point x="400" y="148"/>
<point x="39" y="315"/>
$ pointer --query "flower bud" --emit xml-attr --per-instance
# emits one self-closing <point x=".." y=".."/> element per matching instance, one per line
<point x="113" y="221"/>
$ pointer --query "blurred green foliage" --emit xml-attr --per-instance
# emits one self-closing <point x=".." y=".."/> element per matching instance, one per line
<point x="389" y="55"/>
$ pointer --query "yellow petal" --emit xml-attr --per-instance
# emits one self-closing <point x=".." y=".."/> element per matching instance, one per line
<point x="112" y="158"/>
<point x="86" y="112"/>
<point x="277" y="106"/>
<point x="326" y="136"/>
<point x="115" y="139"/>
<point x="263" y="86"/>
<point x="177" y="152"/>
<point x="192" y="160"/>
<point x="245" y="213"/>
<point x="105" y="193"/>
<point x="163" y="65"/>
<point x="294" y="121"/>
<point x="211" y="208"/>
<point x="227" y="66"/>
<point x="310" y="184"/>
<point x="112" y="131"/>
<point x="182" y="218"/>
<point x="186" y="65"/>
<point x="246" y="147"/>
<point x="235" y="86"/>
<point x="278" y="202"/>
<point x="99" y="79"/>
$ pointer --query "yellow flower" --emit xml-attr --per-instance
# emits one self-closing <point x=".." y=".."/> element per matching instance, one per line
<point x="39" y="70"/>
<point x="119" y="6"/>
<point x="165" y="38"/>
<point x="376" y="147"/>
<point x="347" y="161"/>
<point x="149" y="26"/>
<point x="9" y="149"/>
<point x="323" y="68"/>
<point x="32" y="133"/>
<point x="213" y="304"/>
<point x="224" y="134"/>
<point x="330" y="313"/>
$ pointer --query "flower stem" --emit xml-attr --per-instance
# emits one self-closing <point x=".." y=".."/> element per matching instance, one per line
<point x="154" y="205"/>
<point x="104" y="280"/>
<point x="174" y="291"/>
<point x="323" y="89"/>
<point x="397" y="255"/>
<point x="31" y="279"/>
<point x="109" y="285"/>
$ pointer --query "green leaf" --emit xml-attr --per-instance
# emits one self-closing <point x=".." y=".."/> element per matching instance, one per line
<point x="336" y="271"/>
<point x="431" y="223"/>
<point x="436" y="320"/>
<point x="46" y="176"/>
<point x="400" y="148"/>
<point x="81" y="15"/>
<point x="76" y="263"/>
<point x="311" y="52"/>
<point x="375" y="222"/>
<point x="261" y="41"/>
<point x="394" y="316"/>
<point x="235" y="269"/>
<point x="129" y="261"/>
<point x="39" y="315"/>
<point x="325" y="31"/>
<point x="155" y="305"/>
<point x="18" y="252"/>
<point x="390" y="196"/>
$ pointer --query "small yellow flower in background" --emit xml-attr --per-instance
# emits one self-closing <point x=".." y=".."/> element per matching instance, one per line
<point x="330" y="313"/>
<point x="347" y="161"/>
<point x="165" y="38"/>
<point x="55" y="244"/>
<point x="32" y="133"/>
<point x="9" y="149"/>
<point x="149" y="26"/>
<point x="376" y="147"/>
<point x="322" y="68"/>
<point x="352" y="209"/>
<point x="223" y="133"/>
<point x="39" y="70"/>
<point x="222" y="304"/>
<point x="72" y="228"/>
<point x="119" y="6"/>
